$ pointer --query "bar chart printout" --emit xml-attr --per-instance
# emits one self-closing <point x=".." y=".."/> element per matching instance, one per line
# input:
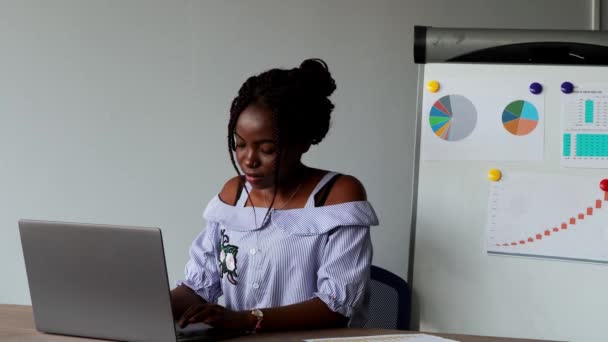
<point x="585" y="128"/>
<point x="548" y="216"/>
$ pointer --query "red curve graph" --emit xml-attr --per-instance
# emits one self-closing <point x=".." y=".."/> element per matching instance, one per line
<point x="564" y="226"/>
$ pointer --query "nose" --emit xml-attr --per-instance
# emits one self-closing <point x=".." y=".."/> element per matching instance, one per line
<point x="251" y="160"/>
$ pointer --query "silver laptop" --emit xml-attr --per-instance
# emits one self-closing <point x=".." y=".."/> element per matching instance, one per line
<point x="102" y="281"/>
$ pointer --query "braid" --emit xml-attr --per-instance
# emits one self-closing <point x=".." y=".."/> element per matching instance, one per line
<point x="231" y="145"/>
<point x="277" y="168"/>
<point x="238" y="105"/>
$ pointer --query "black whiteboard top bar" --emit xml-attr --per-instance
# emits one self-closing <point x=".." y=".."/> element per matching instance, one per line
<point x="509" y="46"/>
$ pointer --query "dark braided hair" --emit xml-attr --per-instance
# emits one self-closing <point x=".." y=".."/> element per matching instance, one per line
<point x="298" y="101"/>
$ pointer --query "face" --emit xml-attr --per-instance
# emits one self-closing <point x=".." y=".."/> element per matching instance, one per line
<point x="257" y="150"/>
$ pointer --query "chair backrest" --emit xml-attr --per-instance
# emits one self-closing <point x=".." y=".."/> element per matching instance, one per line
<point x="389" y="302"/>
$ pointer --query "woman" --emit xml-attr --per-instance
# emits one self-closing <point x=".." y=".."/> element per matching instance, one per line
<point x="286" y="244"/>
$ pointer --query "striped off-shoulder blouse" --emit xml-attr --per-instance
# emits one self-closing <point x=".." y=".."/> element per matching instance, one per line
<point x="293" y="256"/>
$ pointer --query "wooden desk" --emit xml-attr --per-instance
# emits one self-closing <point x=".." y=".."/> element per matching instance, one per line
<point x="17" y="325"/>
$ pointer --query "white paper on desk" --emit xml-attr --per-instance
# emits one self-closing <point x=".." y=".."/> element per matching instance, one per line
<point x="385" y="338"/>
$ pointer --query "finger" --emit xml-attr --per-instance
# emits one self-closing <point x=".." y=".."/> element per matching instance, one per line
<point x="216" y="317"/>
<point x="185" y="316"/>
<point x="213" y="320"/>
<point x="201" y="314"/>
<point x="192" y="310"/>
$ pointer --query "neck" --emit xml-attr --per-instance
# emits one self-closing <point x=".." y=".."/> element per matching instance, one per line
<point x="293" y="180"/>
<point x="287" y="185"/>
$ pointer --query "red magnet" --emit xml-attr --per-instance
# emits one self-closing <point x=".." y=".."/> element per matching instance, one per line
<point x="604" y="184"/>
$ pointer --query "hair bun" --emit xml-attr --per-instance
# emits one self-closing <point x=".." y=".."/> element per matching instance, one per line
<point x="316" y="77"/>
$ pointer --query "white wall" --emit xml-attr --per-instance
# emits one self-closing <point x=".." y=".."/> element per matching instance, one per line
<point x="115" y="111"/>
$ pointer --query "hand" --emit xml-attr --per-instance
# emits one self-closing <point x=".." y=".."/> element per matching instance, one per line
<point x="217" y="316"/>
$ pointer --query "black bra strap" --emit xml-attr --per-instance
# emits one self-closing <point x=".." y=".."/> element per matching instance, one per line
<point x="323" y="193"/>
<point x="239" y="190"/>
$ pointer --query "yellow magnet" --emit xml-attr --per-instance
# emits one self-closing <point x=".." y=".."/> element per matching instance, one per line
<point x="432" y="86"/>
<point x="494" y="175"/>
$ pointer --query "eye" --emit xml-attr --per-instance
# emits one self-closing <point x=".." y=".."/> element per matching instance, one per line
<point x="268" y="150"/>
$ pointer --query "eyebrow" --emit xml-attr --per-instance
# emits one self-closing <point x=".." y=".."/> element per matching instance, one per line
<point x="263" y="141"/>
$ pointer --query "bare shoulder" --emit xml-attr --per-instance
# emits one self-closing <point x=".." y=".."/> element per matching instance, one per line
<point x="346" y="189"/>
<point x="229" y="191"/>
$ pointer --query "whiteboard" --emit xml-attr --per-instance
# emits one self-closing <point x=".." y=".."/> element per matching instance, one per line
<point x="457" y="285"/>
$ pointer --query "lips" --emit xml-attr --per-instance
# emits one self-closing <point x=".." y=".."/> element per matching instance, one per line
<point x="253" y="178"/>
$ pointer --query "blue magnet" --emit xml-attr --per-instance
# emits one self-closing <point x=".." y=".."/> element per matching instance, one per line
<point x="536" y="88"/>
<point x="567" y="87"/>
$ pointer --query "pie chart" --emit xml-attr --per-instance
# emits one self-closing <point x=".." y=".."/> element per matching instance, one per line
<point x="453" y="117"/>
<point x="520" y="117"/>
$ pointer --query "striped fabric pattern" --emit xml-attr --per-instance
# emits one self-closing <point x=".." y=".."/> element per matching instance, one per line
<point x="293" y="256"/>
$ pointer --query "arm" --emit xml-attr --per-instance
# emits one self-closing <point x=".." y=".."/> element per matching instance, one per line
<point x="202" y="282"/>
<point x="182" y="297"/>
<point x="229" y="192"/>
<point x="339" y="293"/>
<point x="346" y="189"/>
<point x="201" y="264"/>
<point x="349" y="241"/>
<point x="311" y="314"/>
<point x="342" y="285"/>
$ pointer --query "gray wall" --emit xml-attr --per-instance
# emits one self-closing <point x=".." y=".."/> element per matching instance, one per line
<point x="115" y="111"/>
